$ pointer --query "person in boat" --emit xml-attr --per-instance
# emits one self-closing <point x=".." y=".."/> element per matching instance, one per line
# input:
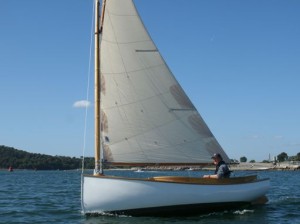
<point x="222" y="170"/>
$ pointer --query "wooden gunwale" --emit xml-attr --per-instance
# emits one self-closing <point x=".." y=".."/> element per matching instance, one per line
<point x="189" y="180"/>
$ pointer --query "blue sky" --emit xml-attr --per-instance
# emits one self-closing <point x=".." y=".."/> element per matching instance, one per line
<point x="238" y="61"/>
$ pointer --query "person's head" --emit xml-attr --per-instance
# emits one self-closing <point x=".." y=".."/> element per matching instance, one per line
<point x="217" y="158"/>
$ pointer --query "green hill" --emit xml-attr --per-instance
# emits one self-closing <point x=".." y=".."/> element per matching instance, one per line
<point x="20" y="159"/>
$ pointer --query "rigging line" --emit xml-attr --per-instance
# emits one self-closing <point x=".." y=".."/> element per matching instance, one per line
<point x="87" y="91"/>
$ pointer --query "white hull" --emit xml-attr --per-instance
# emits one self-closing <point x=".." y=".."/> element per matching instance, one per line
<point x="141" y="196"/>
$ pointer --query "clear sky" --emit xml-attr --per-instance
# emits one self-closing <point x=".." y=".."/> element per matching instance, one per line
<point x="238" y="61"/>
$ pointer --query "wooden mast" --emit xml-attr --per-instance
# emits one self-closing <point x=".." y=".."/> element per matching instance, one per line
<point x="98" y="31"/>
<point x="98" y="169"/>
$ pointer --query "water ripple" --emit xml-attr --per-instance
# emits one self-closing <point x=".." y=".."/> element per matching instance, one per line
<point x="54" y="197"/>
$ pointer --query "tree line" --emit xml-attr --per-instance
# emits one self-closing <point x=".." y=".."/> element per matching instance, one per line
<point x="282" y="157"/>
<point x="19" y="159"/>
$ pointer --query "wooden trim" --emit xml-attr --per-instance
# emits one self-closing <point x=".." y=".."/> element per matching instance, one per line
<point x="205" y="181"/>
<point x="189" y="180"/>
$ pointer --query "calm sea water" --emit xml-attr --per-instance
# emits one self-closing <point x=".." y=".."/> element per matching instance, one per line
<point x="54" y="197"/>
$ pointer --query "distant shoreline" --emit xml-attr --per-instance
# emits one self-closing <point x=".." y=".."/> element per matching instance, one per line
<point x="265" y="166"/>
<point x="233" y="167"/>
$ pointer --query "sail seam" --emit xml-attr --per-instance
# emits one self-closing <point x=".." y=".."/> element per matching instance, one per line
<point x="132" y="71"/>
<point x="155" y="50"/>
<point x="130" y="42"/>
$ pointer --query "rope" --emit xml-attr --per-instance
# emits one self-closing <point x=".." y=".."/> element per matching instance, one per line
<point x="87" y="92"/>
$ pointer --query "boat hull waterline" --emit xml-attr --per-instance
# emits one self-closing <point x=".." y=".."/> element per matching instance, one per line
<point x="140" y="197"/>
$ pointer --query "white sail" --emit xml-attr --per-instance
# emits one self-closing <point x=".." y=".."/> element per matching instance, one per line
<point x="145" y="115"/>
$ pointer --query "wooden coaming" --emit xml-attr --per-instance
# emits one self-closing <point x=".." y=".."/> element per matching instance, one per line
<point x="190" y="180"/>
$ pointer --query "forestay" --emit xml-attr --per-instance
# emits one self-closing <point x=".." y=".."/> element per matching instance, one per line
<point x="145" y="115"/>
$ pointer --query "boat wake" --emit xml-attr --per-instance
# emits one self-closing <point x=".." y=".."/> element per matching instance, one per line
<point x="107" y="214"/>
<point x="243" y="212"/>
<point x="288" y="200"/>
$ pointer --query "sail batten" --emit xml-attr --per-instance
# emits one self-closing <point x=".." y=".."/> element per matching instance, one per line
<point x="146" y="116"/>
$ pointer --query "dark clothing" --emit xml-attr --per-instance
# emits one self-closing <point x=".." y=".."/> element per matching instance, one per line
<point x="222" y="170"/>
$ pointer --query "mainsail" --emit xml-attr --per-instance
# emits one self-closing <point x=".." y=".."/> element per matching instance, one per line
<point x="146" y="117"/>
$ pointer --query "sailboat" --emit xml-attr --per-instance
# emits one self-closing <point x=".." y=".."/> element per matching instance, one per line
<point x="10" y="169"/>
<point x="144" y="118"/>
